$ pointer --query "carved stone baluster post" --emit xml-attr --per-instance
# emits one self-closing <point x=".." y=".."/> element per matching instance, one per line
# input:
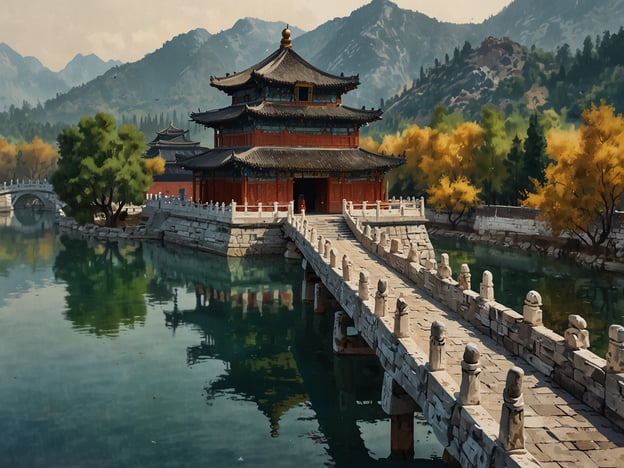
<point x="444" y="269"/>
<point x="333" y="254"/>
<point x="381" y="297"/>
<point x="511" y="432"/>
<point x="326" y="249"/>
<point x="576" y="336"/>
<point x="487" y="287"/>
<point x="615" y="351"/>
<point x="367" y="231"/>
<point x="394" y="245"/>
<point x="437" y="340"/>
<point x="312" y="236"/>
<point x="532" y="309"/>
<point x="470" y="388"/>
<point x="412" y="254"/>
<point x="363" y="285"/>
<point x="383" y="239"/>
<point x="321" y="245"/>
<point x="401" y="319"/>
<point x="346" y="268"/>
<point x="464" y="277"/>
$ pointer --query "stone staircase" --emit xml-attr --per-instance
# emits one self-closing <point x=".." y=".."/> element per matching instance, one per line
<point x="330" y="227"/>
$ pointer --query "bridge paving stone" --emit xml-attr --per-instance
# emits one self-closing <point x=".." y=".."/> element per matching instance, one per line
<point x="559" y="430"/>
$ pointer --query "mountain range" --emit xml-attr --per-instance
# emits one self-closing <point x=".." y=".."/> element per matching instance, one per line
<point x="387" y="46"/>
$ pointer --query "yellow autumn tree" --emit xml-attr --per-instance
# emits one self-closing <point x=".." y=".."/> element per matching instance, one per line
<point x="36" y="160"/>
<point x="441" y="163"/>
<point x="8" y="160"/>
<point x="448" y="168"/>
<point x="155" y="166"/>
<point x="453" y="197"/>
<point x="585" y="184"/>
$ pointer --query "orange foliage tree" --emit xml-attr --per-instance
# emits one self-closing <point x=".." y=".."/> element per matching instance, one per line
<point x="585" y="184"/>
<point x="36" y="160"/>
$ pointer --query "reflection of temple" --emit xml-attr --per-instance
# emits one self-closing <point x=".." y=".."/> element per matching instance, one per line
<point x="166" y="144"/>
<point x="251" y="331"/>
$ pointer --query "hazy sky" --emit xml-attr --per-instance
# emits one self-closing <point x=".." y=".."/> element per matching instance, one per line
<point x="54" y="31"/>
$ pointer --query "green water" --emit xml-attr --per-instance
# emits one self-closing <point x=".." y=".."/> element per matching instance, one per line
<point x="565" y="288"/>
<point x="135" y="355"/>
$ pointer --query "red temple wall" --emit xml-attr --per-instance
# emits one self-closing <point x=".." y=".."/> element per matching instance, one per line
<point x="171" y="188"/>
<point x="355" y="191"/>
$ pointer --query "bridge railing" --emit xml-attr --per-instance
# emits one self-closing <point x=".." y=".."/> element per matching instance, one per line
<point x="394" y="209"/>
<point x="471" y="432"/>
<point x="232" y="213"/>
<point x="17" y="185"/>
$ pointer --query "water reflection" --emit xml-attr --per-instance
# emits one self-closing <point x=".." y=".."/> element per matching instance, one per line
<point x="105" y="283"/>
<point x="277" y="353"/>
<point x="565" y="288"/>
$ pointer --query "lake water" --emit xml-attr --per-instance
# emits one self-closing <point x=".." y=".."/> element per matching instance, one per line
<point x="135" y="355"/>
<point x="565" y="288"/>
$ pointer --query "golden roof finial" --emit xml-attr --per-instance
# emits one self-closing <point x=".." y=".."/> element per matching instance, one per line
<point x="286" y="42"/>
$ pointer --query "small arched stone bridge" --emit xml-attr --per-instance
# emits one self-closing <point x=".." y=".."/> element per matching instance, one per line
<point x="497" y="387"/>
<point x="28" y="194"/>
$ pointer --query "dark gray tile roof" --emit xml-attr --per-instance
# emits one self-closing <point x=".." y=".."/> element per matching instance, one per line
<point x="289" y="111"/>
<point x="284" y="66"/>
<point x="295" y="159"/>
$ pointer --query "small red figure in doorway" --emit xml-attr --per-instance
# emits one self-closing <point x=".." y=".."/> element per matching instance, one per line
<point x="302" y="203"/>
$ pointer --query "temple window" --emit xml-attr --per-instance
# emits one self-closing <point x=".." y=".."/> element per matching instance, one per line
<point x="303" y="92"/>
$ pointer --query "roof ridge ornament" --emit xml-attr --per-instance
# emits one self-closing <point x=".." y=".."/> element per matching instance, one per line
<point x="286" y="42"/>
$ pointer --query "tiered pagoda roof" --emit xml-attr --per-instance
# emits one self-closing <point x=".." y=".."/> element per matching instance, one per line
<point x="170" y="141"/>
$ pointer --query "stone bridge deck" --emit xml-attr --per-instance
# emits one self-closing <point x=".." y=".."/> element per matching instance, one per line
<point x="560" y="431"/>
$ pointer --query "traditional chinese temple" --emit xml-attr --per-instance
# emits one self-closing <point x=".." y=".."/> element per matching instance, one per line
<point x="286" y="135"/>
<point x="168" y="143"/>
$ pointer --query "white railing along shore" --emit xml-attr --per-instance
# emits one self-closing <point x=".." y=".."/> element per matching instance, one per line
<point x="402" y="208"/>
<point x="233" y="213"/>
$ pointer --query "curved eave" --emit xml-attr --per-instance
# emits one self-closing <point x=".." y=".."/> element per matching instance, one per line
<point x="281" y="111"/>
<point x="337" y="160"/>
<point x="286" y="67"/>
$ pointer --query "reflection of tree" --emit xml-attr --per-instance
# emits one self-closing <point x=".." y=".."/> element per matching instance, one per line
<point x="97" y="274"/>
<point x="33" y="250"/>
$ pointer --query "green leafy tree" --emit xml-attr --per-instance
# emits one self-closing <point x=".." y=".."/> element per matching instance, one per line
<point x="490" y="172"/>
<point x="535" y="158"/>
<point x="514" y="164"/>
<point x="100" y="169"/>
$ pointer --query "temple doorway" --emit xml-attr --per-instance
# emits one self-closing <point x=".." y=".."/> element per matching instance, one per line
<point x="314" y="192"/>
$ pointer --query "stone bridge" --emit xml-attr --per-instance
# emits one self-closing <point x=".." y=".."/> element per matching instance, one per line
<point x="28" y="194"/>
<point x="496" y="386"/>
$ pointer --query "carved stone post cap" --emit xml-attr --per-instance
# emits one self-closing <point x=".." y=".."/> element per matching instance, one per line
<point x="401" y="306"/>
<point x="364" y="275"/>
<point x="444" y="260"/>
<point x="438" y="330"/>
<point x="513" y="384"/>
<point x="616" y="333"/>
<point x="533" y="298"/>
<point x="464" y="268"/>
<point x="577" y="321"/>
<point x="488" y="278"/>
<point x="471" y="354"/>
<point x="382" y="285"/>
